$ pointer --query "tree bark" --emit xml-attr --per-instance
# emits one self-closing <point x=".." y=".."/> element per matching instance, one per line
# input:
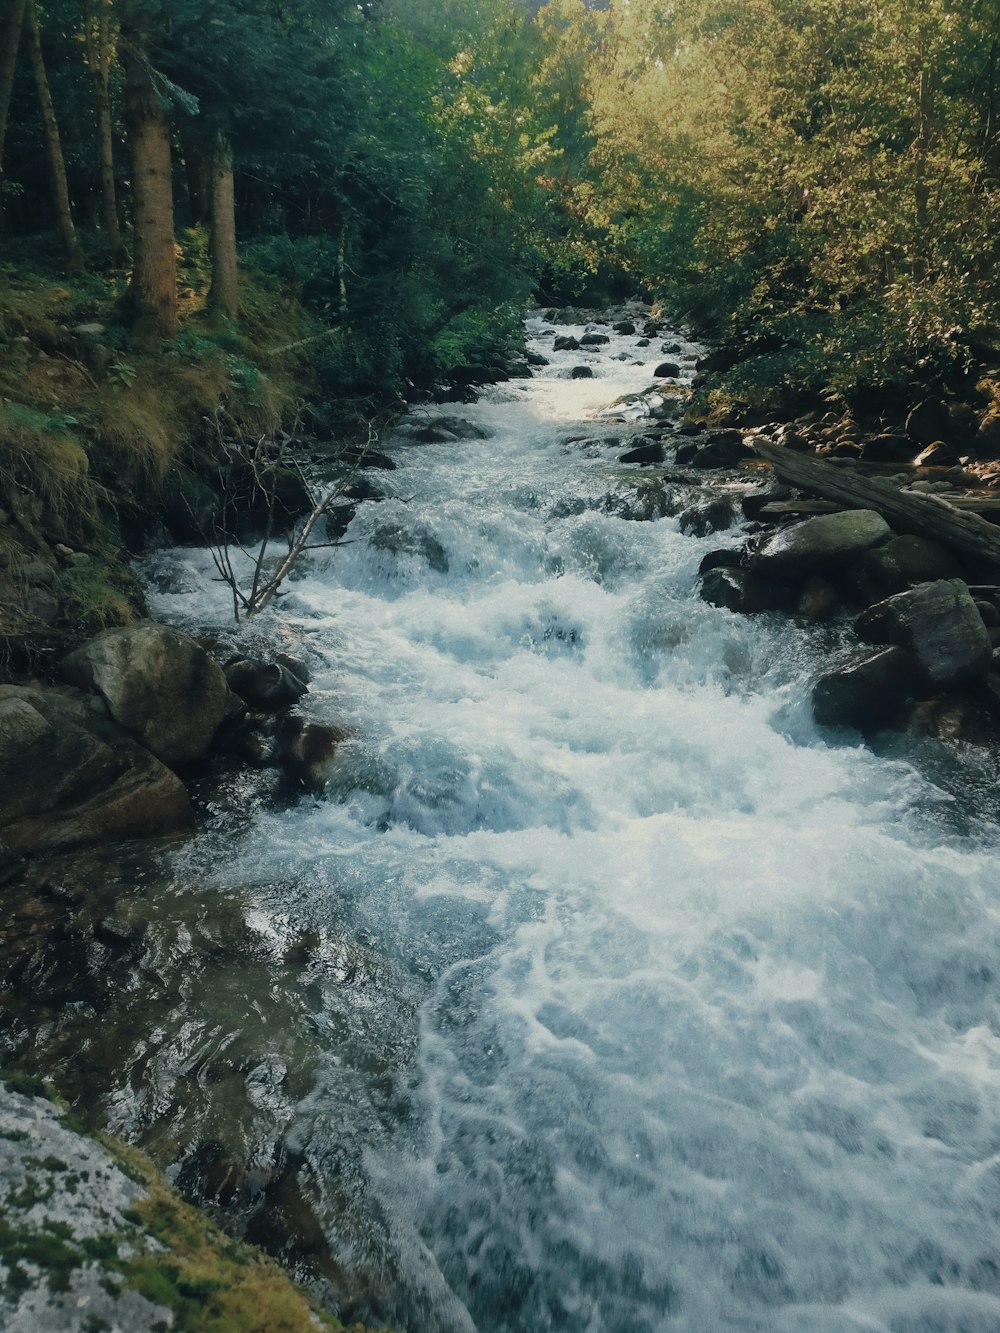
<point x="53" y="144"/>
<point x="97" y="36"/>
<point x="10" y="40"/>
<point x="925" y="515"/>
<point x="153" y="288"/>
<point x="224" y="294"/>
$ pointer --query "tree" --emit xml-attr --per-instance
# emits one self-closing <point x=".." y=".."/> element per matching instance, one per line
<point x="153" y="288"/>
<point x="97" y="38"/>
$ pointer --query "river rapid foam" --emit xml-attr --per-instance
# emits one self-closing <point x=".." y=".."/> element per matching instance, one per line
<point x="678" y="1013"/>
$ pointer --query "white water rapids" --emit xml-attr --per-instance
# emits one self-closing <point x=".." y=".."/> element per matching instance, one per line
<point x="685" y="1014"/>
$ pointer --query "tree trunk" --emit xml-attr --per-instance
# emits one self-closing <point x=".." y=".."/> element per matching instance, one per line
<point x="224" y="294"/>
<point x="10" y="40"/>
<point x="925" y="515"/>
<point x="197" y="172"/>
<point x="153" y="288"/>
<point x="98" y="44"/>
<point x="57" y="166"/>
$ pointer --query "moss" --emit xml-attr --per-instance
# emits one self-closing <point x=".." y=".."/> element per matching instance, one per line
<point x="98" y="592"/>
<point x="53" y="1254"/>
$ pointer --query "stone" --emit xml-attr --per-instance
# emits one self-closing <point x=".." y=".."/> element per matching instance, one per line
<point x="684" y="453"/>
<point x="70" y="776"/>
<point x="643" y="342"/>
<point x="261" y="684"/>
<point x="458" y="428"/>
<point x="667" y="370"/>
<point x="536" y="359"/>
<point x="728" y="557"/>
<point x="624" y="326"/>
<point x="887" y="449"/>
<point x="566" y="344"/>
<point x="821" y="543"/>
<point x="594" y="340"/>
<point x="306" y="750"/>
<point x="700" y="520"/>
<point x="818" y="599"/>
<point x="865" y="694"/>
<point x="581" y="373"/>
<point x="898" y="565"/>
<point x="928" y="422"/>
<point x="725" y="448"/>
<point x="644" y="454"/>
<point x="737" y="590"/>
<point x="937" y="454"/>
<point x="939" y="624"/>
<point x="158" y="684"/>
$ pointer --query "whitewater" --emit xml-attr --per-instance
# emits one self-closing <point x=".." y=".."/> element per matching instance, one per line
<point x="630" y="999"/>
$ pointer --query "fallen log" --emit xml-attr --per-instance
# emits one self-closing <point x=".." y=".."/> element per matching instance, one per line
<point x="906" y="511"/>
<point x="969" y="504"/>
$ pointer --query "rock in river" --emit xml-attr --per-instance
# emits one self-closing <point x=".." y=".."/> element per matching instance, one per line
<point x="159" y="684"/>
<point x="940" y="624"/>
<point x="821" y="543"/>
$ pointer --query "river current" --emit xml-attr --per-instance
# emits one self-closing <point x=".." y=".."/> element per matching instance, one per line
<point x="601" y="990"/>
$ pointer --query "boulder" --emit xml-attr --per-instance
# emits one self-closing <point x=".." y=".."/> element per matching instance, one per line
<point x="262" y="684"/>
<point x="535" y="359"/>
<point x="939" y="624"/>
<point x="821" y="543"/>
<point x="865" y="694"/>
<point x="566" y="344"/>
<point x="70" y="776"/>
<point x="667" y="370"/>
<point x="306" y="750"/>
<point x="928" y="422"/>
<point x="888" y="449"/>
<point x="457" y="428"/>
<point x="624" y="326"/>
<point x="898" y="565"/>
<point x="644" y="454"/>
<point x="938" y="454"/>
<point x="158" y="684"/>
<point x="724" y="448"/>
<point x="643" y="342"/>
<point x="818" y="599"/>
<point x="581" y="373"/>
<point x="700" y="520"/>
<point x="594" y="340"/>
<point x="736" y="590"/>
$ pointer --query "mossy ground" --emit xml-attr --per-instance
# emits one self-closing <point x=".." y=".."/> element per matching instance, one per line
<point x="160" y="1248"/>
<point x="94" y="433"/>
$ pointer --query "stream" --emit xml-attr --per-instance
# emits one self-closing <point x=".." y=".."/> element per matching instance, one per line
<point x="601" y="991"/>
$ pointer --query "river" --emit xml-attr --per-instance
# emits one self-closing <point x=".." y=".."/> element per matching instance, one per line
<point x="601" y="991"/>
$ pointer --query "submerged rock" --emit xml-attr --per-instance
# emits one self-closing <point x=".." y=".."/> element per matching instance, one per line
<point x="644" y="454"/>
<point x="306" y="749"/>
<point x="581" y="373"/>
<point x="261" y="684"/>
<point x="158" y="684"/>
<point x="566" y="344"/>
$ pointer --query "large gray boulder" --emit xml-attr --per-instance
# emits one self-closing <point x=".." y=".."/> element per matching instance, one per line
<point x="70" y="776"/>
<point x="899" y="564"/>
<point x="159" y="684"/>
<point x="821" y="543"/>
<point x="940" y="625"/>
<point x="865" y="694"/>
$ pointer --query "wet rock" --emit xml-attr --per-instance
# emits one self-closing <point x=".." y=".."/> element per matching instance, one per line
<point x="754" y="503"/>
<point x="457" y="428"/>
<point x="643" y="342"/>
<point x="667" y="370"/>
<point x="988" y="614"/>
<point x="594" y="340"/>
<point x="686" y="452"/>
<point x="818" y="599"/>
<point x="624" y="326"/>
<point x="262" y="684"/>
<point x="158" y="684"/>
<point x="928" y="422"/>
<point x="644" y="454"/>
<point x="581" y="373"/>
<point x="566" y="344"/>
<point x="399" y="540"/>
<point x="306" y="750"/>
<point x="42" y="766"/>
<point x="729" y="557"/>
<point x="887" y="449"/>
<point x="865" y="694"/>
<point x="723" y="448"/>
<point x="651" y="328"/>
<point x="937" y="454"/>
<point x="374" y="459"/>
<point x="700" y="520"/>
<point x="824" y="542"/>
<point x="536" y="359"/>
<point x="737" y="590"/>
<point x="939" y="624"/>
<point x="898" y="565"/>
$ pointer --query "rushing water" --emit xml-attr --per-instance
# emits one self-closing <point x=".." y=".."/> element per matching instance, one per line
<point x="601" y="991"/>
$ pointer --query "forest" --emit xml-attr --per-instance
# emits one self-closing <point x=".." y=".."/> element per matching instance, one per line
<point x="220" y="220"/>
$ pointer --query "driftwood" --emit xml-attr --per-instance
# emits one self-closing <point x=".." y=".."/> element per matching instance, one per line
<point x="969" y="504"/>
<point x="906" y="511"/>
